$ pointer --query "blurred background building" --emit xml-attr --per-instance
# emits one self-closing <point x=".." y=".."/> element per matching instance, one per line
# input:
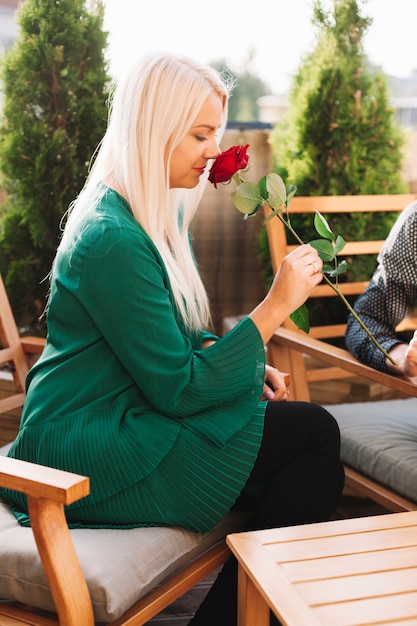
<point x="8" y="30"/>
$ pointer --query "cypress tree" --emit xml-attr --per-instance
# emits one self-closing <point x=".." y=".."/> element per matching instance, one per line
<point x="339" y="138"/>
<point x="55" y="86"/>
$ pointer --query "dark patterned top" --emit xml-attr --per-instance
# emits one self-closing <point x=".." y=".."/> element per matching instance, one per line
<point x="389" y="295"/>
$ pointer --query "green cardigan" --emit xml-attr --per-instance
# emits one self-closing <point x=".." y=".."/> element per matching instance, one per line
<point x="119" y="377"/>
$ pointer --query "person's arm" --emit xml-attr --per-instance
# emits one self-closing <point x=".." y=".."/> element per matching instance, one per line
<point x="381" y="307"/>
<point x="387" y="299"/>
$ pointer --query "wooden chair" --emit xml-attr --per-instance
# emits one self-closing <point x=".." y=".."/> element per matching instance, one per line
<point x="287" y="344"/>
<point x="293" y="351"/>
<point x="277" y="238"/>
<point x="14" y="352"/>
<point x="48" y="490"/>
<point x="50" y="575"/>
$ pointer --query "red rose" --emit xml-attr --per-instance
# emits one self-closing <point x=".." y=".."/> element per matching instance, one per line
<point x="228" y="163"/>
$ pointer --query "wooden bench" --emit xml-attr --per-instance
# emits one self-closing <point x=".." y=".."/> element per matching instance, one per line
<point x="293" y="351"/>
<point x="331" y="206"/>
<point x="286" y="343"/>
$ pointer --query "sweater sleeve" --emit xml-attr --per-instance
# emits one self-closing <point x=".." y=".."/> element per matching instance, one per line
<point x="374" y="310"/>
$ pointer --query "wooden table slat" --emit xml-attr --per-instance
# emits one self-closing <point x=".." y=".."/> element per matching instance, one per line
<point x="359" y="586"/>
<point x="316" y="569"/>
<point x="336" y="528"/>
<point x="381" y="539"/>
<point x="366" y="612"/>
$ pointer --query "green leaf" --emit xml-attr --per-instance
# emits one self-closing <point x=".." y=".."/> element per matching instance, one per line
<point x="247" y="198"/>
<point x="339" y="245"/>
<point x="277" y="193"/>
<point x="340" y="269"/>
<point x="262" y="188"/>
<point x="291" y="191"/>
<point x="322" y="227"/>
<point x="324" y="248"/>
<point x="301" y="319"/>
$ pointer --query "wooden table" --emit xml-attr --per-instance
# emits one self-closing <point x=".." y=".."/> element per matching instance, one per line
<point x="358" y="571"/>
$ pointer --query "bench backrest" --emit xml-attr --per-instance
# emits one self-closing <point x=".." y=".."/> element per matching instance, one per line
<point x="329" y="206"/>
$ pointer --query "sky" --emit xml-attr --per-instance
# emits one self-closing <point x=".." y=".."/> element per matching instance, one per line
<point x="279" y="32"/>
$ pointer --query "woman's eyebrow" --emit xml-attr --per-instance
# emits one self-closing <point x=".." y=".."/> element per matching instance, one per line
<point x="209" y="126"/>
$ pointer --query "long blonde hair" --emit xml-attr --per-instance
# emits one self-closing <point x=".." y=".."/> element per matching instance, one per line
<point x="152" y="110"/>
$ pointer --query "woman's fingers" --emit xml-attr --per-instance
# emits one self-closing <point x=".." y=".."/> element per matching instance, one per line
<point x="275" y="387"/>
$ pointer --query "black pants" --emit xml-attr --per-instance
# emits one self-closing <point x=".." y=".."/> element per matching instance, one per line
<point x="297" y="478"/>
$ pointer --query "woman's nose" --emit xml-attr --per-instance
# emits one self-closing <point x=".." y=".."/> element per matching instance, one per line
<point x="213" y="150"/>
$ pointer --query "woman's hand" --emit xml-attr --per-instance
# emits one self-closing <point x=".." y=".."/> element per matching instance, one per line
<point x="275" y="386"/>
<point x="299" y="273"/>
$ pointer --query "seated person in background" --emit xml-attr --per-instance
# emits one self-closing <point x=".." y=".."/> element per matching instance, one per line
<point x="387" y="300"/>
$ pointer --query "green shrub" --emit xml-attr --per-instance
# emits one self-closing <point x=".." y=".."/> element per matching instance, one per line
<point x="55" y="86"/>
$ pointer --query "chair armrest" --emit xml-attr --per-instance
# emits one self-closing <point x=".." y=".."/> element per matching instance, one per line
<point x="338" y="357"/>
<point x="33" y="345"/>
<point x="38" y="481"/>
<point x="47" y="491"/>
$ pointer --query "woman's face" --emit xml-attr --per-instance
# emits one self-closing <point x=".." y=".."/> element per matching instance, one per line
<point x="190" y="157"/>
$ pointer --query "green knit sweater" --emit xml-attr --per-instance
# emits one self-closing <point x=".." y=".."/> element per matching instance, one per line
<point x="119" y="377"/>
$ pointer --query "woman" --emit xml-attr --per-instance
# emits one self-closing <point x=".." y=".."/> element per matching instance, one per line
<point x="169" y="421"/>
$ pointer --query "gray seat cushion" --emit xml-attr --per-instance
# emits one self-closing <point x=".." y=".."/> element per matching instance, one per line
<point x="379" y="439"/>
<point x="120" y="566"/>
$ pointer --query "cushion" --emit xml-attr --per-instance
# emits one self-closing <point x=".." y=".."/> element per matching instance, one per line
<point x="379" y="439"/>
<point x="120" y="566"/>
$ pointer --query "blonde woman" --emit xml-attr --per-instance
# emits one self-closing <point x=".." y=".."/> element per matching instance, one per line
<point x="171" y="423"/>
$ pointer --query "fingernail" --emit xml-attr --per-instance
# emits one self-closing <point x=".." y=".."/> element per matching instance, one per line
<point x="269" y="394"/>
